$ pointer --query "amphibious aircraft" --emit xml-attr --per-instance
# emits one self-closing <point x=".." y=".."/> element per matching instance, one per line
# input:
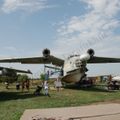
<point x="10" y="71"/>
<point x="73" y="69"/>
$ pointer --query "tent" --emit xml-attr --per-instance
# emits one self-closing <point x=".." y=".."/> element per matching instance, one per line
<point x="116" y="78"/>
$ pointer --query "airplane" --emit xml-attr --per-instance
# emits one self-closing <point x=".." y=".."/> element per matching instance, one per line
<point x="12" y="72"/>
<point x="73" y="69"/>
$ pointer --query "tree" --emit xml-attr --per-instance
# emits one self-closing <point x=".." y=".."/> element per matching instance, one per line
<point x="9" y="79"/>
<point x="42" y="76"/>
<point x="22" y="78"/>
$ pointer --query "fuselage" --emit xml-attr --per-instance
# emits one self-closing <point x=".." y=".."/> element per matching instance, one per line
<point x="74" y="69"/>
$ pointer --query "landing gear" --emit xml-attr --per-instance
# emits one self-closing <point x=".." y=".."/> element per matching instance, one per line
<point x="83" y="78"/>
<point x="84" y="82"/>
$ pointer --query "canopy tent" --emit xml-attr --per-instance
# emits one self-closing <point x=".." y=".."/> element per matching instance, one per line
<point x="116" y="78"/>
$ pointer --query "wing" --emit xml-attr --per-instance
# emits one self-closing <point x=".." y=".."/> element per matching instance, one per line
<point x="95" y="59"/>
<point x="37" y="60"/>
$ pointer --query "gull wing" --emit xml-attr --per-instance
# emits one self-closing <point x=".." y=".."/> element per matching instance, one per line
<point x="96" y="59"/>
<point x="36" y="60"/>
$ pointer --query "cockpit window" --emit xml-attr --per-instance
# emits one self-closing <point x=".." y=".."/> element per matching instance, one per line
<point x="78" y="63"/>
<point x="73" y="56"/>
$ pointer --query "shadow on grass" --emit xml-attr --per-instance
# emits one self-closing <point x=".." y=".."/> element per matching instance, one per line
<point x="4" y="96"/>
<point x="91" y="88"/>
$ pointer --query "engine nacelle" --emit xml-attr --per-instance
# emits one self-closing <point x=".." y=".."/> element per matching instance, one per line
<point x="84" y="57"/>
<point x="91" y="52"/>
<point x="46" y="53"/>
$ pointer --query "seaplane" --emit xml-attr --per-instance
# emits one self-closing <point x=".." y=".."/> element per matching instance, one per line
<point x="73" y="69"/>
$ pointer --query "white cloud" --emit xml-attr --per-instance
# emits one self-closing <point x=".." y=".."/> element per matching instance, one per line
<point x="95" y="26"/>
<point x="106" y="7"/>
<point x="25" y="5"/>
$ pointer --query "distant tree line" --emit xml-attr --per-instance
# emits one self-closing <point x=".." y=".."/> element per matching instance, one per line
<point x="12" y="79"/>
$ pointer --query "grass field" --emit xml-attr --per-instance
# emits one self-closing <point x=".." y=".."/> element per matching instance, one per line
<point x="13" y="103"/>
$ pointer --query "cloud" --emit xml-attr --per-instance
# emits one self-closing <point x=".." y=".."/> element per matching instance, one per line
<point x="96" y="26"/>
<point x="107" y="7"/>
<point x="24" y="5"/>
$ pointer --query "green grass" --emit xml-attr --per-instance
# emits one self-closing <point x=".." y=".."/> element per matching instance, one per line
<point x="13" y="103"/>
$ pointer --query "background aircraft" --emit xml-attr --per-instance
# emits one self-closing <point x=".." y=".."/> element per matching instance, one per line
<point x="8" y="71"/>
<point x="73" y="69"/>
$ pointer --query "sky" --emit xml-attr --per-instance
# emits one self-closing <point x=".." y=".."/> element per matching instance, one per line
<point x="64" y="26"/>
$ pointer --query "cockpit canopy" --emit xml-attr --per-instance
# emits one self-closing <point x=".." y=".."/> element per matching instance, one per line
<point x="71" y="56"/>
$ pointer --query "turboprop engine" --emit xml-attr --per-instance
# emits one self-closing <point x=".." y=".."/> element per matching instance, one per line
<point x="85" y="57"/>
<point x="46" y="53"/>
<point x="91" y="52"/>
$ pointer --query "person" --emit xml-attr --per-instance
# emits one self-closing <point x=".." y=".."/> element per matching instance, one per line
<point x="6" y="85"/>
<point x="110" y="85"/>
<point x="27" y="85"/>
<point x="17" y="86"/>
<point x="116" y="85"/>
<point x="38" y="90"/>
<point x="46" y="88"/>
<point x="23" y="85"/>
<point x="47" y="75"/>
<point x="58" y="84"/>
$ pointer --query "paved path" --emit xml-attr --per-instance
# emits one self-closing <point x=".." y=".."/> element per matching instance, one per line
<point x="90" y="112"/>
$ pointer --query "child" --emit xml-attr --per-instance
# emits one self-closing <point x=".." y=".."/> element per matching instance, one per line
<point x="46" y="88"/>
